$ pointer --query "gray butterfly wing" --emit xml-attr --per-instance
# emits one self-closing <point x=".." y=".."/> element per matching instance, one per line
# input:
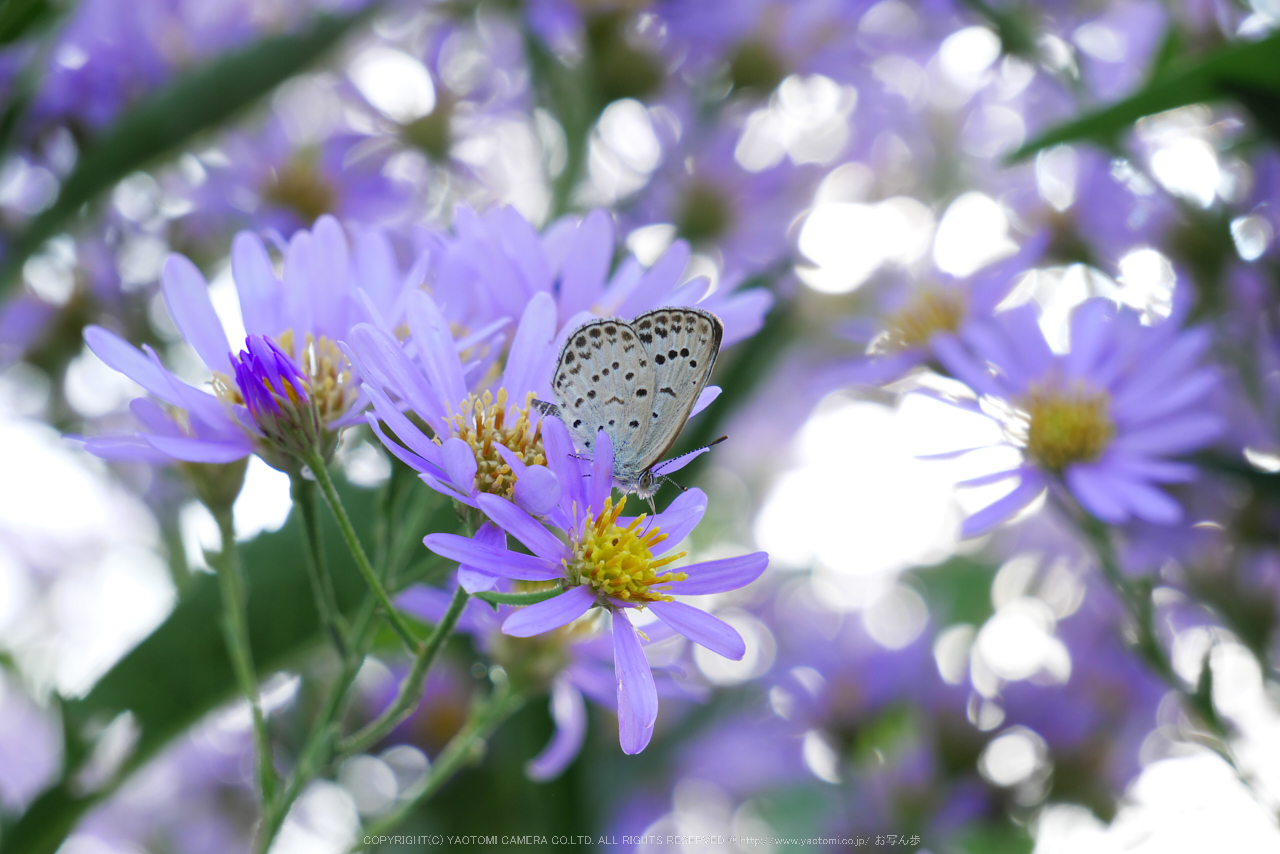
<point x="682" y="344"/>
<point x="601" y="371"/>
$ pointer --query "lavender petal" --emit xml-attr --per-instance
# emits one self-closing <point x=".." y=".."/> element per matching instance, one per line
<point x="186" y="293"/>
<point x="569" y="712"/>
<point x="550" y="614"/>
<point x="720" y="576"/>
<point x="702" y="628"/>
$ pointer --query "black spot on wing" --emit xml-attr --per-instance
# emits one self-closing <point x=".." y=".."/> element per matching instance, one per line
<point x="666" y="390"/>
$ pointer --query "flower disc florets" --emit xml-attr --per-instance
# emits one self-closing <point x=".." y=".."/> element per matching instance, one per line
<point x="619" y="562"/>
<point x="929" y="312"/>
<point x="484" y="423"/>
<point x="1067" y="425"/>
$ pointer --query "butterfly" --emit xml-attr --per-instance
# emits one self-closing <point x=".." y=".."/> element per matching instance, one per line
<point x="636" y="381"/>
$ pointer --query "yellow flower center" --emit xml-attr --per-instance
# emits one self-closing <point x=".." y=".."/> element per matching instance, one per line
<point x="327" y="371"/>
<point x="1065" y="426"/>
<point x="930" y="311"/>
<point x="299" y="187"/>
<point x="484" y="423"/>
<point x="619" y="562"/>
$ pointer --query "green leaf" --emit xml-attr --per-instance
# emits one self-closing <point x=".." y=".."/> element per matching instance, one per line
<point x="958" y="590"/>
<point x="518" y="598"/>
<point x="1253" y="67"/>
<point x="19" y="16"/>
<point x="198" y="100"/>
<point x="181" y="671"/>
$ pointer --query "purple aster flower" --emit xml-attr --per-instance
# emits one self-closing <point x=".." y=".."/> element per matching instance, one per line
<point x="500" y="262"/>
<point x="716" y="204"/>
<point x="573" y="662"/>
<point x="292" y="361"/>
<point x="488" y="442"/>
<point x="1101" y="419"/>
<point x="916" y="318"/>
<point x="272" y="180"/>
<point x="616" y="563"/>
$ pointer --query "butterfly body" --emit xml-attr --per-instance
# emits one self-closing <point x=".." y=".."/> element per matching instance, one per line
<point x="638" y="382"/>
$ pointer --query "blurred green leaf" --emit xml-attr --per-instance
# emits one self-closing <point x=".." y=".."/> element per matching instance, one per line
<point x="198" y="100"/>
<point x="1003" y="838"/>
<point x="18" y="16"/>
<point x="958" y="590"/>
<point x="181" y="671"/>
<point x="1253" y="67"/>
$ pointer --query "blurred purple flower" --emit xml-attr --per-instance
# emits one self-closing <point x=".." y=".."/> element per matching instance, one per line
<point x="294" y="324"/>
<point x="1103" y="418"/>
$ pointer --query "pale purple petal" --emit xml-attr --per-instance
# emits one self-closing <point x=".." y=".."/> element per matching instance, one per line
<point x="587" y="263"/>
<point x="511" y="458"/>
<point x="956" y="359"/>
<point x="122" y="356"/>
<point x="199" y="451"/>
<point x="460" y="463"/>
<point x="993" y="477"/>
<point x="1149" y="503"/>
<point x="1022" y="326"/>
<point x="1173" y="436"/>
<point x="523" y="527"/>
<point x="658" y="281"/>
<point x="256" y="284"/>
<point x="678" y="520"/>
<point x="701" y="628"/>
<point x="601" y="471"/>
<point x="637" y="695"/>
<point x="529" y="361"/>
<point x="569" y="712"/>
<point x="563" y="463"/>
<point x="550" y="614"/>
<point x="1094" y="489"/>
<point x="720" y="576"/>
<point x="508" y="564"/>
<point x="1090" y="325"/>
<point x="186" y="293"/>
<point x="135" y="448"/>
<point x="381" y="361"/>
<point x="705" y="399"/>
<point x="1005" y="507"/>
<point x="474" y="580"/>
<point x="405" y="430"/>
<point x="537" y="490"/>
<point x="435" y="349"/>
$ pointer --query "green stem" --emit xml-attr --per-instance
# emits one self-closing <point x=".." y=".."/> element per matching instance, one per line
<point x="304" y="498"/>
<point x="394" y="617"/>
<point x="410" y="692"/>
<point x="1137" y="601"/>
<point x="235" y="628"/>
<point x="519" y="598"/>
<point x="317" y="751"/>
<point x="465" y="748"/>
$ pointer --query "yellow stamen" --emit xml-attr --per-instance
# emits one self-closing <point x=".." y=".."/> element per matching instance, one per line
<point x="1066" y="425"/>
<point x="930" y="311"/>
<point x="484" y="423"/>
<point x="619" y="562"/>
